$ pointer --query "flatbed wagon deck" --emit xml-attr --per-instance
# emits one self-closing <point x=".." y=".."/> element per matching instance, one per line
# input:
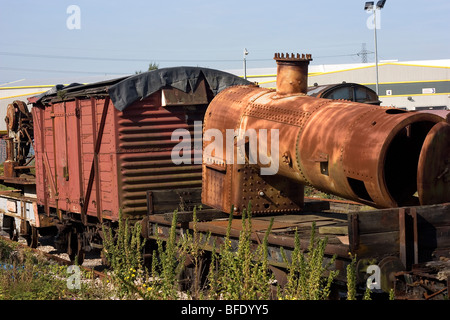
<point x="395" y="240"/>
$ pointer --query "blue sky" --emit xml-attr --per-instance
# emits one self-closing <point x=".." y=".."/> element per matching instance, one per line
<point x="121" y="37"/>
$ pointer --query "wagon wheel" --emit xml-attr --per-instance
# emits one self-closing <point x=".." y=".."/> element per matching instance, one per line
<point x="22" y="106"/>
<point x="75" y="247"/>
<point x="11" y="118"/>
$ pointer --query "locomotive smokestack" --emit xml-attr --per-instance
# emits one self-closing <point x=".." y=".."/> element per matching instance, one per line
<point x="292" y="73"/>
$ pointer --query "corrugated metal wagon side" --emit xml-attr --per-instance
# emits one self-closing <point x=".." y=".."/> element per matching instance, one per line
<point x="144" y="148"/>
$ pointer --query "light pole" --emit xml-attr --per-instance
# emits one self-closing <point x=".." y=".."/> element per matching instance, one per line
<point x="245" y="63"/>
<point x="370" y="6"/>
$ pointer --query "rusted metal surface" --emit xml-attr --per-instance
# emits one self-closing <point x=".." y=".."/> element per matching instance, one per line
<point x="292" y="73"/>
<point x="368" y="154"/>
<point x="425" y="281"/>
<point x="19" y="123"/>
<point x="442" y="113"/>
<point x="145" y="148"/>
<point x="433" y="174"/>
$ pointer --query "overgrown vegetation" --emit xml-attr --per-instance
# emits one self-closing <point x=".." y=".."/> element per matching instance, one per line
<point x="232" y="269"/>
<point x="306" y="280"/>
<point x="240" y="273"/>
<point x="27" y="276"/>
<point x="123" y="251"/>
<point x="238" y="269"/>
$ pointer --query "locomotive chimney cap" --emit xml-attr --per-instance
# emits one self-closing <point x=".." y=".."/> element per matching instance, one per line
<point x="292" y="57"/>
<point x="292" y="73"/>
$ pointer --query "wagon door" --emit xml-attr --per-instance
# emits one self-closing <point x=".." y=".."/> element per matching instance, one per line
<point x="60" y="150"/>
<point x="71" y="170"/>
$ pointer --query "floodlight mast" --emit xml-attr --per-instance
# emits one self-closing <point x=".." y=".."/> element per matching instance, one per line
<point x="245" y="63"/>
<point x="370" y="6"/>
<point x="380" y="4"/>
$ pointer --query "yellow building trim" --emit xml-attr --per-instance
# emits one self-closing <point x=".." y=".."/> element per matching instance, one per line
<point x="264" y="82"/>
<point x="274" y="75"/>
<point x="337" y="71"/>
<point x="373" y="65"/>
<point x="415" y="81"/>
<point x="415" y="95"/>
<point x="414" y="65"/>
<point x="373" y="83"/>
<point x="260" y="76"/>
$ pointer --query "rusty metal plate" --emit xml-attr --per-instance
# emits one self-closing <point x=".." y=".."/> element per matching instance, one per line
<point x="433" y="172"/>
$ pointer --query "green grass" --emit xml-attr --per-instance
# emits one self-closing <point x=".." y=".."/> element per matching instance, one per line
<point x="27" y="276"/>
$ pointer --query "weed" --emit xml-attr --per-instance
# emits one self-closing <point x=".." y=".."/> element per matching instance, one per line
<point x="194" y="248"/>
<point x="351" y="279"/>
<point x="167" y="263"/>
<point x="306" y="278"/>
<point x="242" y="272"/>
<point x="123" y="250"/>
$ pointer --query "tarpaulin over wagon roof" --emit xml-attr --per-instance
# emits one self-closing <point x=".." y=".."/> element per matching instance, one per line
<point x="73" y="90"/>
<point x="142" y="85"/>
<point x="126" y="90"/>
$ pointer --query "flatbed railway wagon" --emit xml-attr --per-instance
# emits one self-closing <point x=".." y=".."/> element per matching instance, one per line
<point x="394" y="161"/>
<point x="408" y="246"/>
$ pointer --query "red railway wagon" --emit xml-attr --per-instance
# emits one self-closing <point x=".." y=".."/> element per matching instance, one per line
<point x="101" y="147"/>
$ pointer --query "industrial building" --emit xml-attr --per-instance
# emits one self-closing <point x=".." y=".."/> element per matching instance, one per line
<point x="411" y="85"/>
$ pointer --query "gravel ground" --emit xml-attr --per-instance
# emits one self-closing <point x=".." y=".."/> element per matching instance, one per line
<point x="91" y="260"/>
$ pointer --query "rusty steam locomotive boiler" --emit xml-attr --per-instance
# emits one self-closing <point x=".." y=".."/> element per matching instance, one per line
<point x="379" y="156"/>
